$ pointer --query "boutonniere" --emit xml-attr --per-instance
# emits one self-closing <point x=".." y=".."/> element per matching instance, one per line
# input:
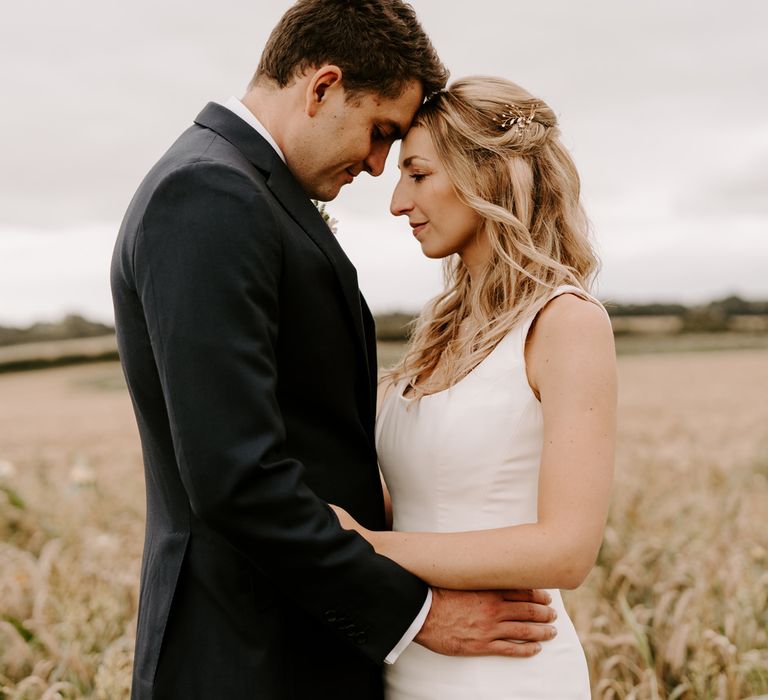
<point x="323" y="209"/>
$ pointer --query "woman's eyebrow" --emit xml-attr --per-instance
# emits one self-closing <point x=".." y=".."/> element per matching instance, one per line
<point x="409" y="160"/>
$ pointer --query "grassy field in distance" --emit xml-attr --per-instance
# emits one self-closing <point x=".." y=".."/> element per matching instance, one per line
<point x="676" y="607"/>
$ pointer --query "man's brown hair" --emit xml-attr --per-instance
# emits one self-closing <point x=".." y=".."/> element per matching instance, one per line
<point x="379" y="45"/>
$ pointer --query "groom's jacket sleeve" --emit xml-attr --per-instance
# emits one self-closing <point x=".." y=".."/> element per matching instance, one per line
<point x="207" y="263"/>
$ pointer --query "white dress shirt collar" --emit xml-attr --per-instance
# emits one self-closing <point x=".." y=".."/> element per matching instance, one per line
<point x="236" y="106"/>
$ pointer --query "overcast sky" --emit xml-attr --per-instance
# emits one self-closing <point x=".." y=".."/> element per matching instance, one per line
<point x="662" y="103"/>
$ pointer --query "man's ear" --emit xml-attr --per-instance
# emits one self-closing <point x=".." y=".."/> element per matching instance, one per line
<point x="324" y="79"/>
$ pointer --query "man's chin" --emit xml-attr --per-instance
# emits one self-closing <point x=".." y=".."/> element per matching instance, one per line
<point x="326" y="194"/>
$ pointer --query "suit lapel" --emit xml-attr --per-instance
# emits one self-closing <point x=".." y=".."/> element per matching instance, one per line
<point x="370" y="337"/>
<point x="284" y="186"/>
<point x="295" y="202"/>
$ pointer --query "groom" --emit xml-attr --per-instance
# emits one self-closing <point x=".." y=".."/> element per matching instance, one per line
<point x="251" y="362"/>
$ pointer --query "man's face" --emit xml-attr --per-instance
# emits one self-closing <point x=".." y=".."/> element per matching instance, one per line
<point x="346" y="137"/>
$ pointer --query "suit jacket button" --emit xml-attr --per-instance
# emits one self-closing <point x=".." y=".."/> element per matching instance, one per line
<point x="361" y="638"/>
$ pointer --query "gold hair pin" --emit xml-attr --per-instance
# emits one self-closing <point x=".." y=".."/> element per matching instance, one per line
<point x="514" y="116"/>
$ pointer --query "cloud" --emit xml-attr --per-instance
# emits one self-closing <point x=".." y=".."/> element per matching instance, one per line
<point x="733" y="194"/>
<point x="658" y="101"/>
<point x="46" y="274"/>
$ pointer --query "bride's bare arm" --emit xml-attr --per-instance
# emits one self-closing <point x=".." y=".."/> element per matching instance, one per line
<point x="387" y="502"/>
<point x="571" y="367"/>
<point x="384" y="386"/>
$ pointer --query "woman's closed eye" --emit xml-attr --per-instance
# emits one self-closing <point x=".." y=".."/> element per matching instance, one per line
<point x="417" y="177"/>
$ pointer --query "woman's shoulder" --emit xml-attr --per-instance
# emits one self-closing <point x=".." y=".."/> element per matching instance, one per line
<point x="573" y="302"/>
<point x="572" y="315"/>
<point x="572" y="334"/>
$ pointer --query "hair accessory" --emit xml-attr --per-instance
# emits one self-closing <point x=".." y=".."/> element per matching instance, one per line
<point x="514" y="116"/>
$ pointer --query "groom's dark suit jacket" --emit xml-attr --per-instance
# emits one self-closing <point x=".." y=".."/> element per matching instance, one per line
<point x="251" y="362"/>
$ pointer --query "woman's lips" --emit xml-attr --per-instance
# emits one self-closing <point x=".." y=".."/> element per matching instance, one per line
<point x="418" y="228"/>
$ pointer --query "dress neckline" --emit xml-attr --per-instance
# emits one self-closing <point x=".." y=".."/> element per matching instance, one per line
<point x="562" y="289"/>
<point x="411" y="399"/>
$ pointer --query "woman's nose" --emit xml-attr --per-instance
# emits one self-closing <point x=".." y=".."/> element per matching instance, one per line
<point x="400" y="203"/>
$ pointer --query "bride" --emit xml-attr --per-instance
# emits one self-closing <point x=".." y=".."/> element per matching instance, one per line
<point x="495" y="433"/>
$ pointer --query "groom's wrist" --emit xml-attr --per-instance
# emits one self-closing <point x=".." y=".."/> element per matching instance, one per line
<point x="412" y="632"/>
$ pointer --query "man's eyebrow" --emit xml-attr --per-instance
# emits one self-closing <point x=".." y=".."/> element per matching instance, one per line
<point x="396" y="131"/>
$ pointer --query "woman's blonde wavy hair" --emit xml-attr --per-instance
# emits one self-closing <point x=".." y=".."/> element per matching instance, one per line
<point x="524" y="185"/>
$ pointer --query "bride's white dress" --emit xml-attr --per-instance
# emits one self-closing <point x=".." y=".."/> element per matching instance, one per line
<point x="467" y="458"/>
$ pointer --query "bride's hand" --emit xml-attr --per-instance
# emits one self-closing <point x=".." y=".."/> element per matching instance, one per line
<point x="347" y="521"/>
<point x="374" y="537"/>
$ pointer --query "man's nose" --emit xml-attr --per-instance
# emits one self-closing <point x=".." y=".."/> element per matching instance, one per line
<point x="377" y="159"/>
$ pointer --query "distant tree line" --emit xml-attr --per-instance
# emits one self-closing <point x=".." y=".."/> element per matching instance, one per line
<point x="72" y="326"/>
<point x="730" y="306"/>
<point x="716" y="316"/>
<point x="729" y="314"/>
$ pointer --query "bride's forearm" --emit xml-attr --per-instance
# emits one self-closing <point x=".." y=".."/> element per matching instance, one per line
<point x="558" y="553"/>
<point x="521" y="556"/>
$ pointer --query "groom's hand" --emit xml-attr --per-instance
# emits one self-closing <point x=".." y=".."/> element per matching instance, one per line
<point x="487" y="623"/>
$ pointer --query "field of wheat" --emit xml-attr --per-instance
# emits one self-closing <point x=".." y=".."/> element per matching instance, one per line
<point x="677" y="606"/>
